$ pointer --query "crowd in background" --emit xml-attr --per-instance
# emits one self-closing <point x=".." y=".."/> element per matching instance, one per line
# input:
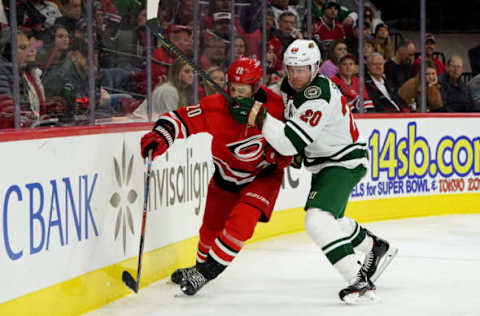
<point x="52" y="57"/>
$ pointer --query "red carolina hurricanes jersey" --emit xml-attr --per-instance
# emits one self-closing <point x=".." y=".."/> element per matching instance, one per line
<point x="238" y="152"/>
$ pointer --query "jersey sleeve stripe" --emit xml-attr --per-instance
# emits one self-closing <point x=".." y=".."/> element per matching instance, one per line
<point x="354" y="154"/>
<point x="184" y="126"/>
<point x="348" y="149"/>
<point x="368" y="105"/>
<point x="296" y="140"/>
<point x="301" y="133"/>
<point x="165" y="134"/>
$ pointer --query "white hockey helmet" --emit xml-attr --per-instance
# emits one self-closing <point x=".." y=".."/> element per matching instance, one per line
<point x="303" y="52"/>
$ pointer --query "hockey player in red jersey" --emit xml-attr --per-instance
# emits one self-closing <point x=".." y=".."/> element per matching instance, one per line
<point x="248" y="172"/>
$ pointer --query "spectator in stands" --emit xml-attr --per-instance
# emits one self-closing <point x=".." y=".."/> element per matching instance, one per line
<point x="214" y="53"/>
<point x="345" y="14"/>
<point x="31" y="89"/>
<point x="352" y="38"/>
<point x="279" y="7"/>
<point x="287" y="32"/>
<point x="273" y="41"/>
<point x="185" y="14"/>
<point x="349" y="84"/>
<point x="124" y="7"/>
<point x="249" y="25"/>
<point x="220" y="5"/>
<point x="240" y="47"/>
<point x="70" y="81"/>
<point x="368" y="15"/>
<point x="411" y="52"/>
<point x="72" y="75"/>
<point x="55" y="50"/>
<point x="368" y="48"/>
<point x="337" y="50"/>
<point x="81" y="31"/>
<point x="33" y="103"/>
<point x="455" y="94"/>
<point x="474" y="56"/>
<point x="215" y="6"/>
<point x="218" y="76"/>
<point x="72" y="12"/>
<point x="410" y="91"/>
<point x="172" y="94"/>
<point x="220" y="26"/>
<point x="380" y="89"/>
<point x="274" y="70"/>
<point x="132" y="40"/>
<point x="383" y="43"/>
<point x="430" y="44"/>
<point x="28" y="17"/>
<point x="165" y="14"/>
<point x="398" y="69"/>
<point x="49" y="10"/>
<point x="327" y="29"/>
<point x="474" y="89"/>
<point x="107" y="30"/>
<point x="274" y="62"/>
<point x="181" y="37"/>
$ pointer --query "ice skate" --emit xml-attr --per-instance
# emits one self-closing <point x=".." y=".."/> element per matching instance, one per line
<point x="378" y="258"/>
<point x="362" y="290"/>
<point x="180" y="275"/>
<point x="194" y="282"/>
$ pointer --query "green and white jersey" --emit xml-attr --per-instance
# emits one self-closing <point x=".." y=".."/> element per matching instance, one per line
<point x="321" y="127"/>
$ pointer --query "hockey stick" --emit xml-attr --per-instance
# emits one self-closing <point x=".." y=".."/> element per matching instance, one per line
<point x="126" y="276"/>
<point x="152" y="23"/>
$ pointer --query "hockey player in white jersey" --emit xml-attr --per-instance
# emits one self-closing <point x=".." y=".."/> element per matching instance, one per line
<point x="320" y="128"/>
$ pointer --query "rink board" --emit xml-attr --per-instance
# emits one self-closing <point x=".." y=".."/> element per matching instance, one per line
<point x="71" y="203"/>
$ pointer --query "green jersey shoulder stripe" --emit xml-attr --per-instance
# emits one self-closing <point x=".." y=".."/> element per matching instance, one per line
<point x="319" y="88"/>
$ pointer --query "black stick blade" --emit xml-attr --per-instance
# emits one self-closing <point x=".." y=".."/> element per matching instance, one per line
<point x="129" y="281"/>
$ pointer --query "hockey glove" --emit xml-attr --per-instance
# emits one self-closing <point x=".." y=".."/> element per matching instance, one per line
<point x="155" y="142"/>
<point x="272" y="156"/>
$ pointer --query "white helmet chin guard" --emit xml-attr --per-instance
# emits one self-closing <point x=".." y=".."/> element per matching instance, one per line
<point x="303" y="53"/>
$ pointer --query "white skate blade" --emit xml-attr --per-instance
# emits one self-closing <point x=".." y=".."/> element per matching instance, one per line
<point x="384" y="262"/>
<point x="370" y="297"/>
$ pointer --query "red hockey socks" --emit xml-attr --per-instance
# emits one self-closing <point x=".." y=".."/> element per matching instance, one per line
<point x="239" y="227"/>
<point x="202" y="251"/>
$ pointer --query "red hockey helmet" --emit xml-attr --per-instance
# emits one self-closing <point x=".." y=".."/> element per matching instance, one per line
<point x="245" y="70"/>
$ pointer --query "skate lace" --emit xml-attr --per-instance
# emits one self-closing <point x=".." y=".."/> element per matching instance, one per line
<point x="188" y="271"/>
<point x="197" y="280"/>
<point x="360" y="281"/>
<point x="369" y="259"/>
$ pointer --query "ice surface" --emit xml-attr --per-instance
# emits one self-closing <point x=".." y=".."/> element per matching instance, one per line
<point x="437" y="272"/>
